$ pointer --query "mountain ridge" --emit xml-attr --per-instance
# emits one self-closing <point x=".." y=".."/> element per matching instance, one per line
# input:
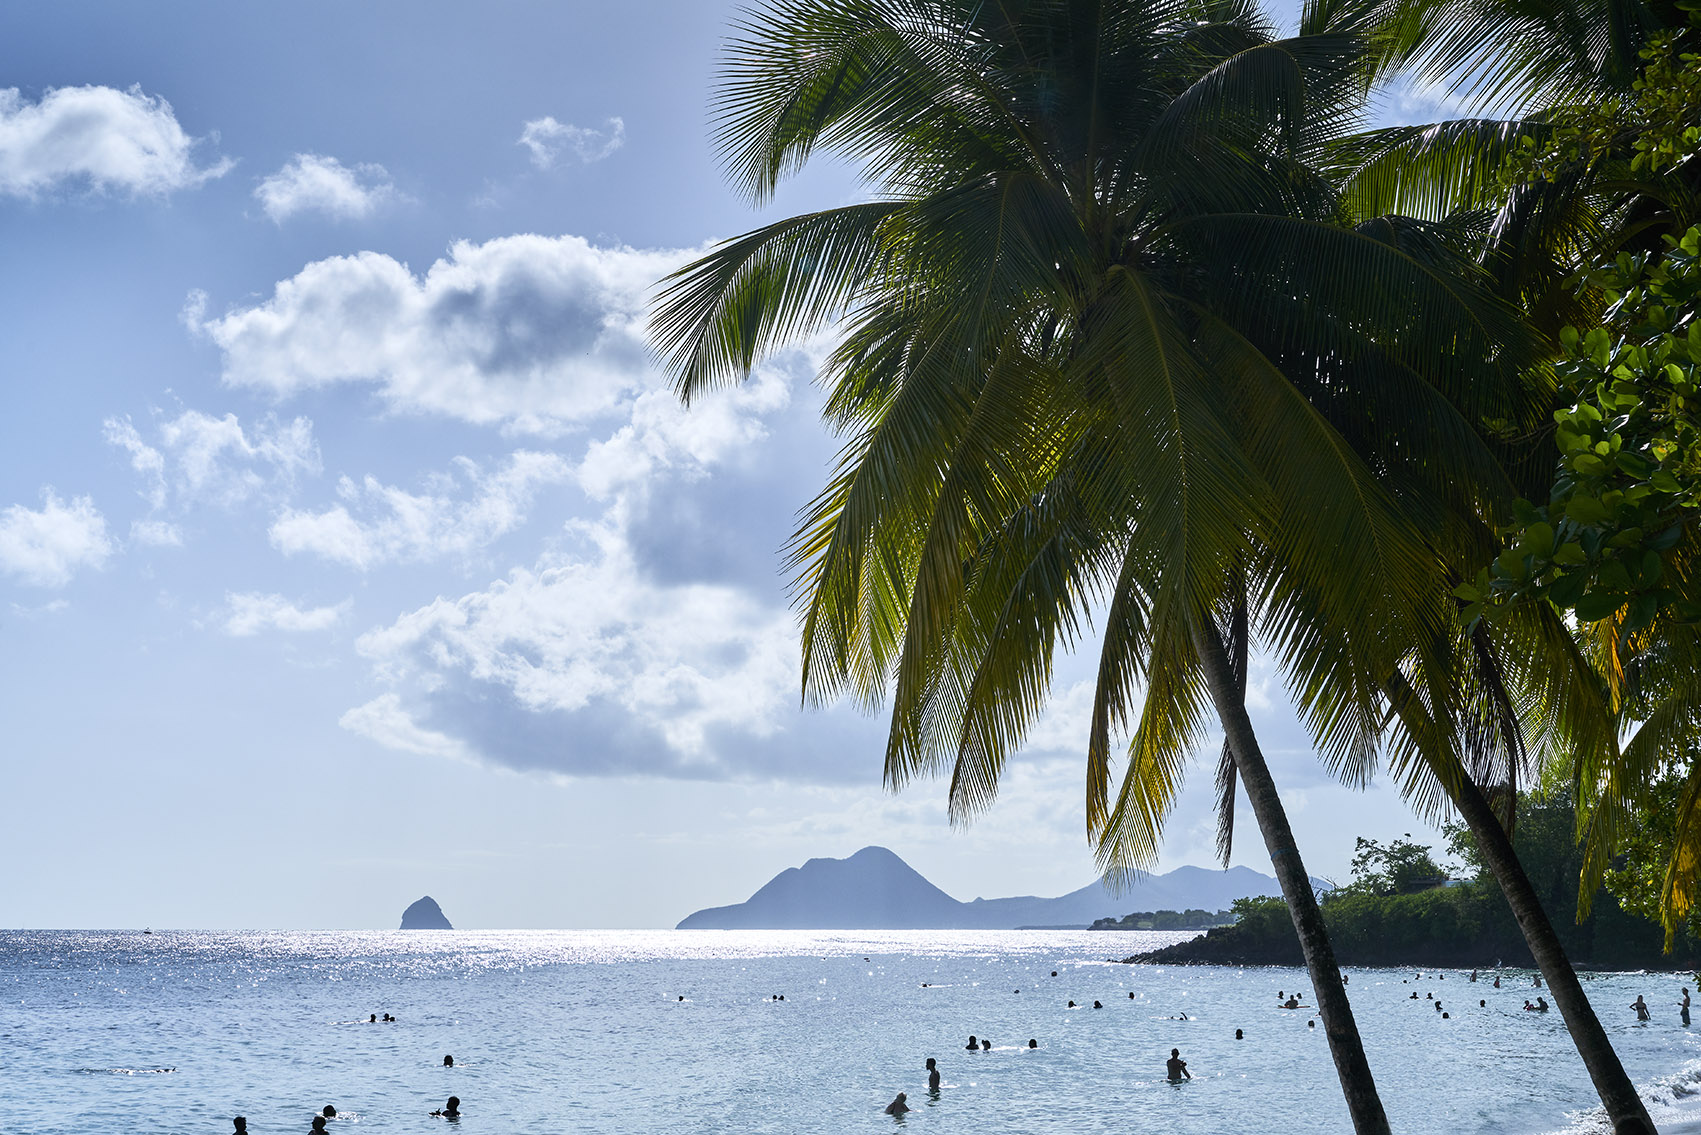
<point x="874" y="889"/>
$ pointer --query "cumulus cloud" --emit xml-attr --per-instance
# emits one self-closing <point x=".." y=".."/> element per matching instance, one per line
<point x="533" y="333"/>
<point x="310" y="183"/>
<point x="394" y="524"/>
<point x="198" y="458"/>
<point x="548" y="140"/>
<point x="249" y="613"/>
<point x="102" y="137"/>
<point x="384" y="720"/>
<point x="45" y="547"/>
<point x="680" y="663"/>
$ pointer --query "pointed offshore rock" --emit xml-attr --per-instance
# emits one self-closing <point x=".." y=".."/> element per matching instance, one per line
<point x="425" y="915"/>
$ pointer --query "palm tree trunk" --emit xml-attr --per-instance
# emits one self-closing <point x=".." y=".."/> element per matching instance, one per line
<point x="1363" y="1104"/>
<point x="1624" y="1106"/>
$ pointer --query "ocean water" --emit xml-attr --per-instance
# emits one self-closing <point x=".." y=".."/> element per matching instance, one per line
<point x="583" y="1031"/>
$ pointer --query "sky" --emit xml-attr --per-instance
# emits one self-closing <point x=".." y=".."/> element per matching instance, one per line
<point x="352" y="546"/>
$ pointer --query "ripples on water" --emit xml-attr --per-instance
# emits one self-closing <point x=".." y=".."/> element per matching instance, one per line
<point x="556" y="1031"/>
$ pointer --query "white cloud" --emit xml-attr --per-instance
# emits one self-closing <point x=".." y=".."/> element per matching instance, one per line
<point x="530" y="332"/>
<point x="202" y="459"/>
<point x="548" y="139"/>
<point x="319" y="183"/>
<point x="250" y="613"/>
<point x="679" y="662"/>
<point x="101" y="136"/>
<point x="420" y="526"/>
<point x="45" y="547"/>
<point x="384" y="720"/>
<point x="156" y="533"/>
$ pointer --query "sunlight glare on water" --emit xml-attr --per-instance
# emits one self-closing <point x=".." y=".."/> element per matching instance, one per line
<point x="569" y="1031"/>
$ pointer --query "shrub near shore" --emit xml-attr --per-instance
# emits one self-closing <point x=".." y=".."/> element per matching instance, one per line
<point x="1466" y="925"/>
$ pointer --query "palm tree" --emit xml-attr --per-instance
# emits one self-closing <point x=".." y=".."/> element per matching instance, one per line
<point x="1107" y="356"/>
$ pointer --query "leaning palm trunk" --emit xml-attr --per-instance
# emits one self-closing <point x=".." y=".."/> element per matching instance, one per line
<point x="1351" y="1065"/>
<point x="1624" y="1106"/>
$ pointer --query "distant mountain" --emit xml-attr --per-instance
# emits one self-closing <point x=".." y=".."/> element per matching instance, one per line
<point x="425" y="915"/>
<point x="876" y="890"/>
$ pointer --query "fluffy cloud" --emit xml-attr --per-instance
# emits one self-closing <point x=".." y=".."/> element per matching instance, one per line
<point x="548" y="140"/>
<point x="533" y="333"/>
<point x="679" y="663"/>
<point x="250" y="613"/>
<point x="198" y="458"/>
<point x="316" y="183"/>
<point x="103" y="137"/>
<point x="45" y="547"/>
<point x="400" y="525"/>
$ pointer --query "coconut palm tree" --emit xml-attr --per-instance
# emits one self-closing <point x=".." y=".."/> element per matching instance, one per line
<point x="1107" y="357"/>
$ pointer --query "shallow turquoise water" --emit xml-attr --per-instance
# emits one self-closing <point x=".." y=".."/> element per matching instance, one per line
<point x="556" y="1031"/>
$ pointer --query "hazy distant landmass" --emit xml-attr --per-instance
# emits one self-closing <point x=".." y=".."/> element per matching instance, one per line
<point x="876" y="890"/>
<point x="425" y="915"/>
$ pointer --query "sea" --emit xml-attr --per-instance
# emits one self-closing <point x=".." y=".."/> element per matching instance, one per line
<point x="677" y="1032"/>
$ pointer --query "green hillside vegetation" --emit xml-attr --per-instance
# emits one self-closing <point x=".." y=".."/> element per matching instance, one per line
<point x="1374" y="922"/>
<point x="1167" y="920"/>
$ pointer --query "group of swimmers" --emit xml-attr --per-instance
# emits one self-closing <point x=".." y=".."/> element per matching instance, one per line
<point x="450" y="1110"/>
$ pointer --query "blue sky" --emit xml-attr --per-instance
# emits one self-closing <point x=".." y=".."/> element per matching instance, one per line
<point x="351" y="547"/>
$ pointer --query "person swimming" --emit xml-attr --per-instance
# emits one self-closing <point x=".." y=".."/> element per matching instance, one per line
<point x="1541" y="1004"/>
<point x="1176" y="1068"/>
<point x="1032" y="1043"/>
<point x="241" y="1122"/>
<point x="1311" y="1024"/>
<point x="1528" y="1008"/>
<point x="898" y="1106"/>
<point x="373" y="1019"/>
<point x="448" y="1061"/>
<point x="1413" y="997"/>
<point x="1536" y="980"/>
<point x="1291" y="1003"/>
<point x="985" y="1045"/>
<point x="932" y="1074"/>
<point x="329" y="1112"/>
<point x="1130" y="995"/>
<point x="1096" y="1005"/>
<point x="318" y="1123"/>
<point x="1683" y="1009"/>
<point x="1071" y="1004"/>
<point x="682" y="996"/>
<point x="1641" y="1008"/>
<point x="450" y="1110"/>
<point x="1497" y="981"/>
<point x="1238" y="1035"/>
<point x="1473" y="975"/>
<point x="973" y="1045"/>
<point x="1482" y="1004"/>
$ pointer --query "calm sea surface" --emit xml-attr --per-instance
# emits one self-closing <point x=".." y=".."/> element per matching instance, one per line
<point x="582" y="1031"/>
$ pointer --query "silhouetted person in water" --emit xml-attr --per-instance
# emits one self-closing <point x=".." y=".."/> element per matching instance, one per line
<point x="932" y="1074"/>
<point x="682" y="996"/>
<point x="973" y="1045"/>
<point x="1541" y="1005"/>
<point x="1096" y="1005"/>
<point x="1238" y="1035"/>
<point x="1071" y="1004"/>
<point x="898" y="1106"/>
<point x="318" y="1123"/>
<point x="450" y="1110"/>
<point x="1130" y="995"/>
<point x="985" y="1045"/>
<point x="448" y="1062"/>
<point x="373" y="1019"/>
<point x="1641" y="1008"/>
<point x="1176" y="1068"/>
<point x="1032" y="1043"/>
<point x="1497" y="981"/>
<point x="1684" y="1008"/>
<point x="1482" y="1004"/>
<point x="329" y="1112"/>
<point x="241" y="1123"/>
<point x="1537" y="980"/>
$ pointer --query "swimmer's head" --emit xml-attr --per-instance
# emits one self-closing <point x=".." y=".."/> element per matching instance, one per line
<point x="1033" y="1043"/>
<point x="902" y="1097"/>
<point x="932" y="1064"/>
<point x="1311" y="1024"/>
<point x="329" y="1112"/>
<point x="241" y="1122"/>
<point x="1238" y="1035"/>
<point x="454" y="1103"/>
<point x="1481" y="1004"/>
<point x="448" y="1061"/>
<point x="1175" y="1052"/>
